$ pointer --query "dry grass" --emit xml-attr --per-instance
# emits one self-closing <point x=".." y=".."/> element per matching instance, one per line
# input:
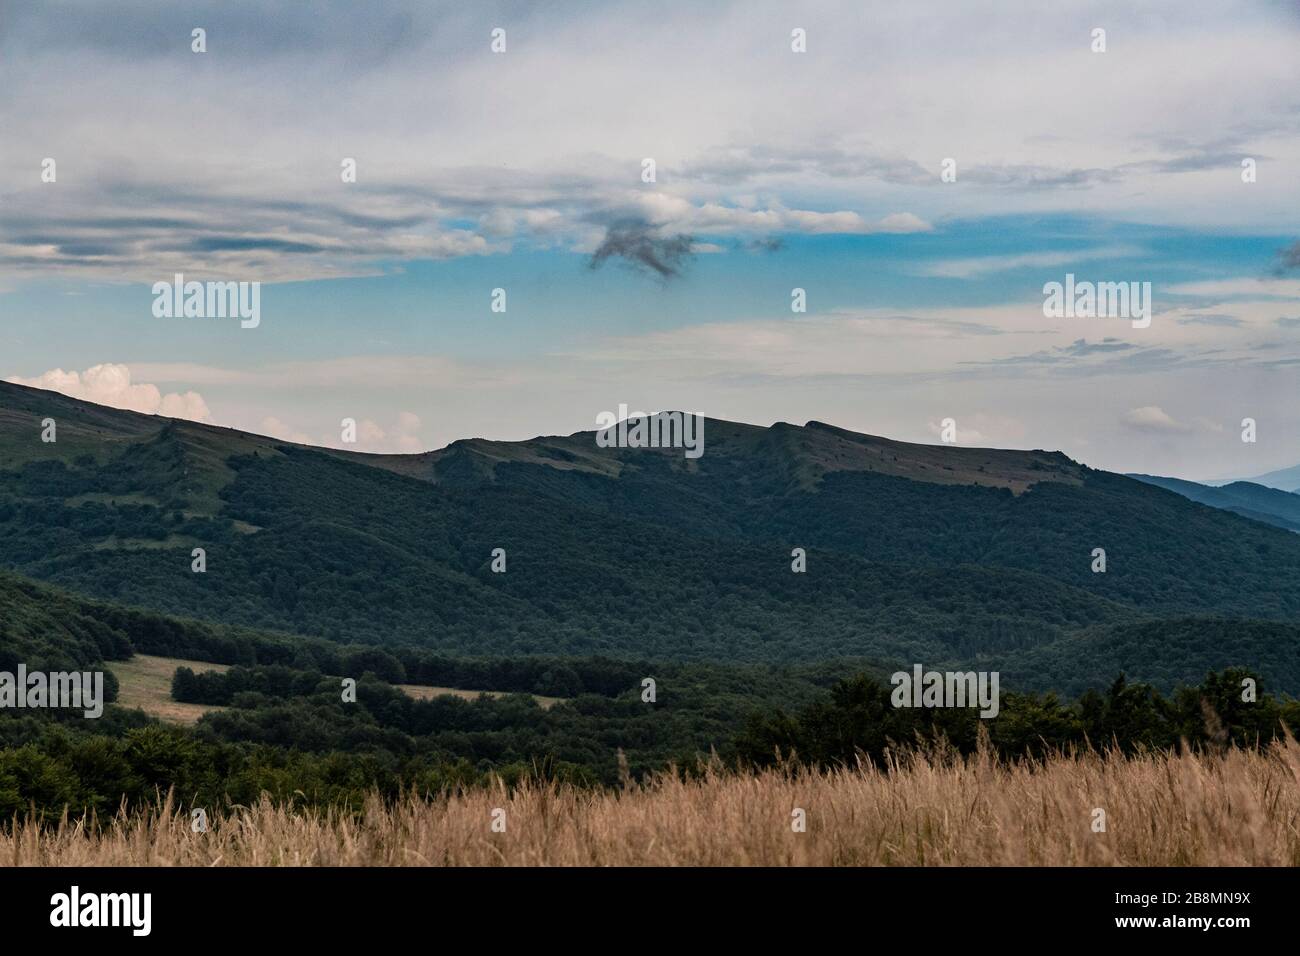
<point x="428" y="692"/>
<point x="1238" y="808"/>
<point x="145" y="681"/>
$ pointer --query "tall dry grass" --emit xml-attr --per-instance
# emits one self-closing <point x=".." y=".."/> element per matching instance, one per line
<point x="935" y="808"/>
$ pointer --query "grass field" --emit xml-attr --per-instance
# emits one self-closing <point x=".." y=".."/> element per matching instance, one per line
<point x="1162" y="809"/>
<point x="424" y="692"/>
<point x="145" y="681"/>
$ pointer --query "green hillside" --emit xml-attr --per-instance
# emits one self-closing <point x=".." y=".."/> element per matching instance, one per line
<point x="915" y="553"/>
<point x="1257" y="502"/>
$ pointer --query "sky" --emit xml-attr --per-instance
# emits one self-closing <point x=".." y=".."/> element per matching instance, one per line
<point x="523" y="170"/>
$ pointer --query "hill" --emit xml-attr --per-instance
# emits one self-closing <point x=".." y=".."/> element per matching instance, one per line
<point x="1254" y="501"/>
<point x="1284" y="479"/>
<point x="915" y="553"/>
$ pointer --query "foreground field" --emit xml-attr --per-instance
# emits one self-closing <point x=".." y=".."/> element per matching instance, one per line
<point x="1238" y="808"/>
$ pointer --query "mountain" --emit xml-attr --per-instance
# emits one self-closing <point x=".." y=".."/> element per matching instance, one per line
<point x="1250" y="500"/>
<point x="915" y="553"/>
<point x="1284" y="479"/>
<point x="1287" y="479"/>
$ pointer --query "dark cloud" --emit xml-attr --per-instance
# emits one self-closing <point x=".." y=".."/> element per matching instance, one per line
<point x="637" y="243"/>
<point x="279" y="238"/>
<point x="1083" y="347"/>
<point x="249" y="244"/>
<point x="1288" y="259"/>
<point x="770" y="244"/>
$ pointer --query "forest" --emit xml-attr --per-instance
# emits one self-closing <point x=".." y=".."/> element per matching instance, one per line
<point x="307" y="544"/>
<point x="325" y="567"/>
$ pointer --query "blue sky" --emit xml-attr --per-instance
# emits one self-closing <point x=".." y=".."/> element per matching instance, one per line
<point x="775" y="170"/>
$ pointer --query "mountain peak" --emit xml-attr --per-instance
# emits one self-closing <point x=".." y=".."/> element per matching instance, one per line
<point x="801" y="455"/>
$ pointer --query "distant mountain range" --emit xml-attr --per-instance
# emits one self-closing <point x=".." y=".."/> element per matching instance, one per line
<point x="1284" y="479"/>
<point x="915" y="553"/>
<point x="1248" y="499"/>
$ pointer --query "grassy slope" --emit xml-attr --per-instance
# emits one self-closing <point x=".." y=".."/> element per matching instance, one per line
<point x="145" y="681"/>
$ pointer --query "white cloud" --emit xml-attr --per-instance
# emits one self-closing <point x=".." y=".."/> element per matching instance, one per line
<point x="111" y="385"/>
<point x="677" y="214"/>
<point x="1249" y="287"/>
<point x="277" y="429"/>
<point x="964" y="436"/>
<point x="748" y="137"/>
<point x="370" y="434"/>
<point x="975" y="266"/>
<point x="1152" y="418"/>
<point x="981" y="428"/>
<point x="401" y="437"/>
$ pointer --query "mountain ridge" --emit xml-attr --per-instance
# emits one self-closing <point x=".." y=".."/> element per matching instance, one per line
<point x="822" y="447"/>
<point x="1257" y="502"/>
<point x="913" y="553"/>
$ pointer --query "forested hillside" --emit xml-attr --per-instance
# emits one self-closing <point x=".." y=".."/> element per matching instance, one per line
<point x="914" y="553"/>
<point x="621" y="566"/>
<point x="1258" y="502"/>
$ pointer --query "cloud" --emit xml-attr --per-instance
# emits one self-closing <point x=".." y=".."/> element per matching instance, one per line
<point x="732" y="165"/>
<point x="277" y="429"/>
<point x="1152" y="418"/>
<point x="638" y="244"/>
<point x="470" y="181"/>
<point x="1077" y="355"/>
<point x="111" y="385"/>
<point x="981" y="428"/>
<point x="735" y="165"/>
<point x="964" y="436"/>
<point x="1217" y="319"/>
<point x="369" y="434"/>
<point x="402" y="437"/>
<point x="977" y="266"/>
<point x="1081" y="347"/>
<point x="1288" y="259"/>
<point x="1035" y="177"/>
<point x="147" y="231"/>
<point x="669" y="213"/>
<point x="1246" y="287"/>
<point x="122" y="227"/>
